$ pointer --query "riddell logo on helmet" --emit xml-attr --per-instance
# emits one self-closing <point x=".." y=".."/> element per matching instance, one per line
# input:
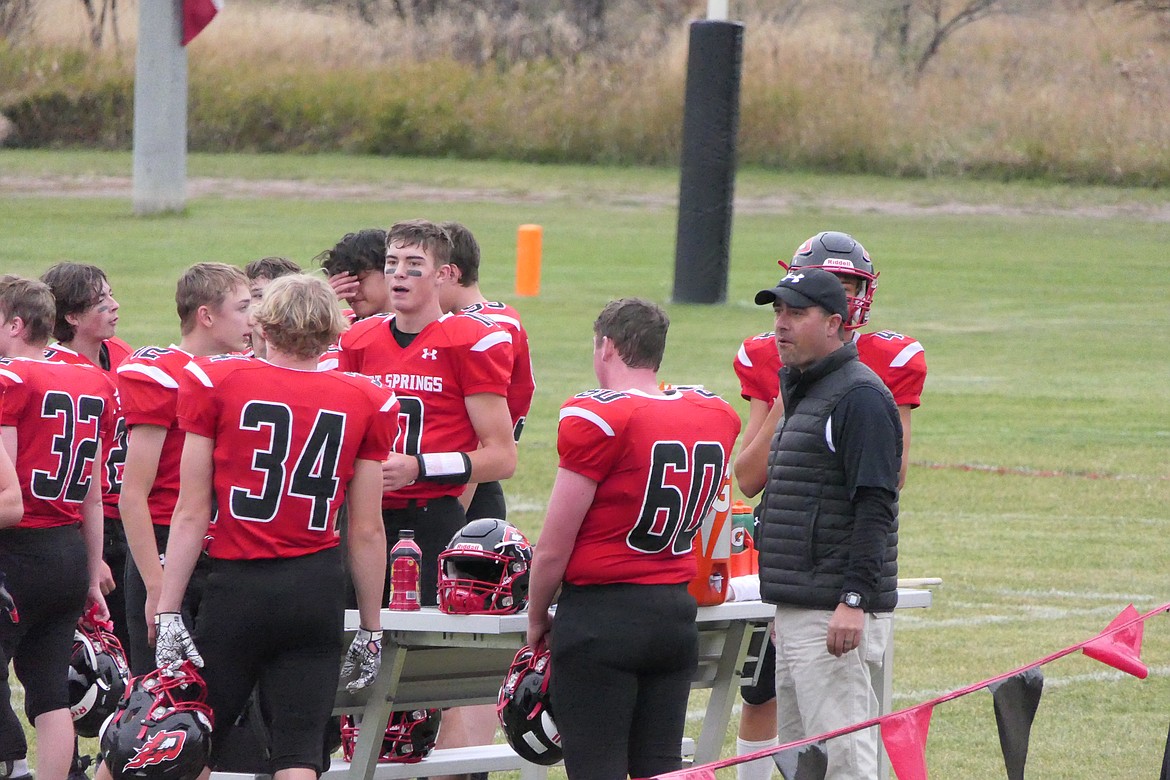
<point x="163" y="746"/>
<point x="837" y="262"/>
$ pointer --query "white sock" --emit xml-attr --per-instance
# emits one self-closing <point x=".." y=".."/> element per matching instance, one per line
<point x="761" y="768"/>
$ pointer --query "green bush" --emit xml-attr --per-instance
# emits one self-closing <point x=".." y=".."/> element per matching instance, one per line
<point x="101" y="117"/>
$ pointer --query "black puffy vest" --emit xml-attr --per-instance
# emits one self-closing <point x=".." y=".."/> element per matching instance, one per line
<point x="807" y="516"/>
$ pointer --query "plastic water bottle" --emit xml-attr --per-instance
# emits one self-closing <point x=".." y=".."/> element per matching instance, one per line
<point x="405" y="568"/>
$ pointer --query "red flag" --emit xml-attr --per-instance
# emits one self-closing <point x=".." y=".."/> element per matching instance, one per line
<point x="1122" y="649"/>
<point x="904" y="735"/>
<point x="698" y="773"/>
<point x="197" y="14"/>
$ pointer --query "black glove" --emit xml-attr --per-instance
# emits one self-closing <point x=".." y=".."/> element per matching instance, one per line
<point x="7" y="605"/>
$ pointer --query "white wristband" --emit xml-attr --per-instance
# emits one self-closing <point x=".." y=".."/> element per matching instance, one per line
<point x="449" y="467"/>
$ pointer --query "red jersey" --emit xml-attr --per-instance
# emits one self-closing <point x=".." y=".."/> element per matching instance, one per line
<point x="60" y="412"/>
<point x="452" y="358"/>
<point x="329" y="358"/>
<point x="285" y="446"/>
<point x="899" y="361"/>
<point x="523" y="384"/>
<point x="659" y="462"/>
<point x="114" y="352"/>
<point x="148" y="383"/>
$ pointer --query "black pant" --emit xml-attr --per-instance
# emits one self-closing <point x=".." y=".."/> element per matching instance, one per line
<point x="114" y="553"/>
<point x="433" y="523"/>
<point x="48" y="579"/>
<point x="488" y="501"/>
<point x="275" y="623"/>
<point x="623" y="657"/>
<point x="139" y="652"/>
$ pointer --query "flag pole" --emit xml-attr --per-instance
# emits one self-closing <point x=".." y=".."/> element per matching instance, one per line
<point x="160" y="110"/>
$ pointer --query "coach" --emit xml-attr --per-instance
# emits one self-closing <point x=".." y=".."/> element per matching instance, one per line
<point x="829" y="543"/>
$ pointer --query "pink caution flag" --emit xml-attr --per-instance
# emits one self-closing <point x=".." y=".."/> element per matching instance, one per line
<point x="197" y="14"/>
<point x="1121" y="649"/>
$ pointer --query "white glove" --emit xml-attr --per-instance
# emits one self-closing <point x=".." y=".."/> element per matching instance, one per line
<point x="362" y="659"/>
<point x="173" y="643"/>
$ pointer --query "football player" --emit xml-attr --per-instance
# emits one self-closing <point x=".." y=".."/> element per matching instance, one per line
<point x="462" y="294"/>
<point x="898" y="360"/>
<point x="57" y="418"/>
<point x="355" y="268"/>
<point x="450" y="373"/>
<point x="464" y="726"/>
<point x="260" y="274"/>
<point x="87" y="319"/>
<point x="639" y="469"/>
<point x="213" y="304"/>
<point x="278" y="445"/>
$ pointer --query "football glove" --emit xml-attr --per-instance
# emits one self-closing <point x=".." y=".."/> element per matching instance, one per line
<point x="173" y="644"/>
<point x="362" y="659"/>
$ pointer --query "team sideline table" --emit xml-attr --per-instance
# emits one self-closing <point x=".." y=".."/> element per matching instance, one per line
<point x="430" y="659"/>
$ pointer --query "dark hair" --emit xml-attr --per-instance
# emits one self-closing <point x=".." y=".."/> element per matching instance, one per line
<point x="75" y="287"/>
<point x="464" y="252"/>
<point x="637" y="327"/>
<point x="422" y="233"/>
<point x="270" y="268"/>
<point x="364" y="250"/>
<point x="32" y="301"/>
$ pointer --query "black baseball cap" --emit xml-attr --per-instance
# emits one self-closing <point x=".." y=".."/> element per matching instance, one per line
<point x="804" y="287"/>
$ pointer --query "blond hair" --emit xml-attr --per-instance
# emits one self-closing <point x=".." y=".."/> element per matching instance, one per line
<point x="299" y="315"/>
<point x="32" y="301"/>
<point x="205" y="284"/>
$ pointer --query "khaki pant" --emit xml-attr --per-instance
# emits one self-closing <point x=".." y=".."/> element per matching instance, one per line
<point x="818" y="693"/>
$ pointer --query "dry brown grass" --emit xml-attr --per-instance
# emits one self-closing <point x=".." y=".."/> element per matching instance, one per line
<point x="1076" y="93"/>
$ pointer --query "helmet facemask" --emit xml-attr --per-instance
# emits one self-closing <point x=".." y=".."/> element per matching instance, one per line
<point x="410" y="736"/>
<point x="484" y="570"/>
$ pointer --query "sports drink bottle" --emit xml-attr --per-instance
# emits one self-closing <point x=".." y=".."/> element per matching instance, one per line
<point x="405" y="568"/>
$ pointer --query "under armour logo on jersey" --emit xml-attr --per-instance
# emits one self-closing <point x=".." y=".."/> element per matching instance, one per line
<point x="430" y="354"/>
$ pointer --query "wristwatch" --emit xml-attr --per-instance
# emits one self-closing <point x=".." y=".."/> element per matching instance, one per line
<point x="851" y="599"/>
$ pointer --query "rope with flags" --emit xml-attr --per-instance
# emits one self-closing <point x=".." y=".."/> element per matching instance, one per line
<point x="1016" y="696"/>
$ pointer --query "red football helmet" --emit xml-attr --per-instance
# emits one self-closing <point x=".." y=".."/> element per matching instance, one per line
<point x="843" y="255"/>
<point x="525" y="711"/>
<point x="98" y="674"/>
<point x="410" y="736"/>
<point x="484" y="570"/>
<point x="161" y="729"/>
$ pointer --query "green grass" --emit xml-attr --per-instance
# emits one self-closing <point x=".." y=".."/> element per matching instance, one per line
<point x="1040" y="474"/>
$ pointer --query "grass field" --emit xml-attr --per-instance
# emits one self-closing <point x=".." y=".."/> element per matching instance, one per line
<point x="1040" y="473"/>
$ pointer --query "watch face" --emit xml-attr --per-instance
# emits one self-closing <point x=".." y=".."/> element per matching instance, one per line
<point x="853" y="599"/>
